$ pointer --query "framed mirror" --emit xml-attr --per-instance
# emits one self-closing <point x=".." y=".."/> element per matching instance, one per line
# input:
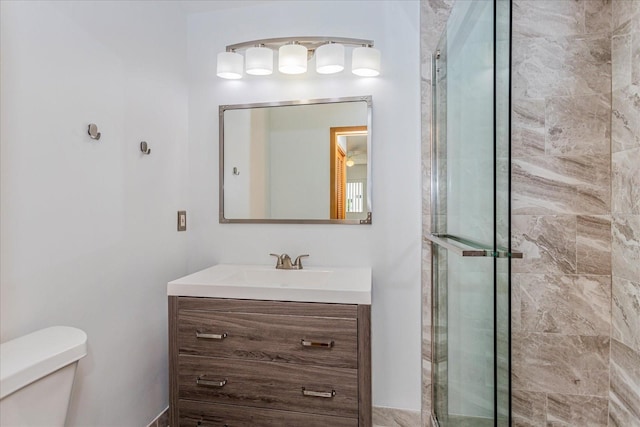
<point x="296" y="162"/>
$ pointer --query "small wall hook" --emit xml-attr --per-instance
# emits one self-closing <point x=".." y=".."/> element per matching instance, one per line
<point x="93" y="131"/>
<point x="236" y="171"/>
<point x="145" y="148"/>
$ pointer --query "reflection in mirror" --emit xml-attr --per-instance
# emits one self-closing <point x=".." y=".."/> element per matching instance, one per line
<point x="296" y="161"/>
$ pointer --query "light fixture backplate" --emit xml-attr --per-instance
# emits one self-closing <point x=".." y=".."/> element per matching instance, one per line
<point x="310" y="42"/>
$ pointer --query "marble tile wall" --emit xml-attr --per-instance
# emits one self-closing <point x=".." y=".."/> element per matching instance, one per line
<point x="561" y="206"/>
<point x="624" y="392"/>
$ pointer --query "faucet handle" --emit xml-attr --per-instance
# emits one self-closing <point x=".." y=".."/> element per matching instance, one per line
<point x="279" y="260"/>
<point x="298" y="262"/>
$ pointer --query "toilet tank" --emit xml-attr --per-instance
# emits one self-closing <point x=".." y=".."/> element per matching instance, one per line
<point x="36" y="376"/>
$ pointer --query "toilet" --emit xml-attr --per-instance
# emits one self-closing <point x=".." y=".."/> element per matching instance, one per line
<point x="36" y="376"/>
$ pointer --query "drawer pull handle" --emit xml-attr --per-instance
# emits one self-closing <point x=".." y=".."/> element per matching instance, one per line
<point x="323" y="344"/>
<point x="201" y="381"/>
<point x="325" y="394"/>
<point x="200" y="424"/>
<point x="211" y="336"/>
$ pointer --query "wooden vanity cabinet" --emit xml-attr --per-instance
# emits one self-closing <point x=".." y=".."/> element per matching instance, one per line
<point x="269" y="363"/>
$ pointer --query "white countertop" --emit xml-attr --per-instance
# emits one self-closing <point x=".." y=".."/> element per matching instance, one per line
<point x="262" y="282"/>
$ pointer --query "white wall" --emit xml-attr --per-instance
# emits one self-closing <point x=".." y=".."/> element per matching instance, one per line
<point x="391" y="245"/>
<point x="89" y="228"/>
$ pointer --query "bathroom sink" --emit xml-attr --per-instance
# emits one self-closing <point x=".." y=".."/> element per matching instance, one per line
<point x="280" y="278"/>
<point x="331" y="285"/>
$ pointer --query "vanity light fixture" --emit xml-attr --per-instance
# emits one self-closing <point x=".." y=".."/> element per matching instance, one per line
<point x="294" y="54"/>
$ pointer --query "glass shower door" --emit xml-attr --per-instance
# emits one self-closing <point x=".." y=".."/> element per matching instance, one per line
<point x="470" y="217"/>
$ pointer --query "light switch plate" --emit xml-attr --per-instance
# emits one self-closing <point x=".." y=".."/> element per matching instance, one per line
<point x="182" y="220"/>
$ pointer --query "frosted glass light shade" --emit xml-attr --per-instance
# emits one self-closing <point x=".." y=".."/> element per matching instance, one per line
<point x="259" y="61"/>
<point x="366" y="62"/>
<point x="292" y="59"/>
<point x="330" y="58"/>
<point x="229" y="65"/>
<point x="350" y="162"/>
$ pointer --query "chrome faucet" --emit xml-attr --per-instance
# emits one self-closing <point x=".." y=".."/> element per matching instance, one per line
<point x="284" y="262"/>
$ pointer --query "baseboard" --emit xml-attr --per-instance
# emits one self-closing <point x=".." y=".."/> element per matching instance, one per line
<point x="162" y="420"/>
<point x="394" y="417"/>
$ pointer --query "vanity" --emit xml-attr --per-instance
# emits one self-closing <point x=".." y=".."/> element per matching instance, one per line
<point x="250" y="345"/>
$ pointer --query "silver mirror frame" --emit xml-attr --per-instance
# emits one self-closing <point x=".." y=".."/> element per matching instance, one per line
<point x="222" y="108"/>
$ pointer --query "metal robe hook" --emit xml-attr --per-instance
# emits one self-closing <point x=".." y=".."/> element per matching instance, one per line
<point x="236" y="171"/>
<point x="93" y="131"/>
<point x="145" y="148"/>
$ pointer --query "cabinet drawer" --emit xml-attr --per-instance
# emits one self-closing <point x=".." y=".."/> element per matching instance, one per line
<point x="194" y="413"/>
<point x="299" y="388"/>
<point x="286" y="339"/>
<point x="268" y="307"/>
